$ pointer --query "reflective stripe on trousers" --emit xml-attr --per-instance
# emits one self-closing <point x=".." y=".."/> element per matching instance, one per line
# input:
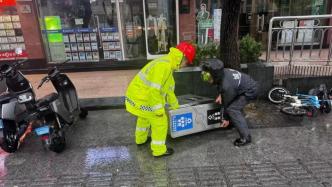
<point x="158" y="126"/>
<point x="142" y="129"/>
<point x="158" y="142"/>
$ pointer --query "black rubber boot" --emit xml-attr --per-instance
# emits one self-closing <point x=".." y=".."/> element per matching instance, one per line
<point x="242" y="141"/>
<point x="168" y="152"/>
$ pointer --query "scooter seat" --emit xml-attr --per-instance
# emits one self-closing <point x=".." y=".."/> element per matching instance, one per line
<point x="46" y="100"/>
<point x="6" y="98"/>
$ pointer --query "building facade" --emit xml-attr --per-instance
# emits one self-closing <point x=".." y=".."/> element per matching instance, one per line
<point x="102" y="33"/>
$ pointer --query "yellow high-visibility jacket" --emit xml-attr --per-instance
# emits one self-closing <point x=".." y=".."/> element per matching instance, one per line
<point x="153" y="86"/>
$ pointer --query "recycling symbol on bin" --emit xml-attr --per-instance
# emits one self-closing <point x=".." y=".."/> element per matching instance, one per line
<point x="182" y="122"/>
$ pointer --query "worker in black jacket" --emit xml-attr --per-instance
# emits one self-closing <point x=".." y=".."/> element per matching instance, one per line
<point x="235" y="90"/>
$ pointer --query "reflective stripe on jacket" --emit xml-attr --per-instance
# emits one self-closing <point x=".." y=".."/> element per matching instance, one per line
<point x="153" y="86"/>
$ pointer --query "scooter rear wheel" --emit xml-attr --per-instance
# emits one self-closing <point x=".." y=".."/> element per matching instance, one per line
<point x="58" y="142"/>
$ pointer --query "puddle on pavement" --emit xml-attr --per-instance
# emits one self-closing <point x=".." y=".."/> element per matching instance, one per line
<point x="252" y="110"/>
<point x="103" y="156"/>
<point x="3" y="169"/>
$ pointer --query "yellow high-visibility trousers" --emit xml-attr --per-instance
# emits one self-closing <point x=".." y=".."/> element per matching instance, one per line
<point x="158" y="126"/>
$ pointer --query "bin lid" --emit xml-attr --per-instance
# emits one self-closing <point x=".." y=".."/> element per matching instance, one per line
<point x="190" y="100"/>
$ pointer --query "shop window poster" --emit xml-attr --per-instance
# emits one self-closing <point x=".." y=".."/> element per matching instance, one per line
<point x="89" y="56"/>
<point x="65" y="38"/>
<point x="93" y="37"/>
<point x="11" y="36"/>
<point x="318" y="7"/>
<point x="208" y="20"/>
<point x="95" y="55"/>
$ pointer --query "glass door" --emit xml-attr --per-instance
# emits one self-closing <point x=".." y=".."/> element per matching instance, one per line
<point x="161" y="20"/>
<point x="132" y="24"/>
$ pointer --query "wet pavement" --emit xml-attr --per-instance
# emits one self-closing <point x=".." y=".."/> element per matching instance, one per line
<point x="101" y="152"/>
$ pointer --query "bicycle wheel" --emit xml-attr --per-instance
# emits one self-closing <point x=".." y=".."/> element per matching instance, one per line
<point x="294" y="111"/>
<point x="276" y="95"/>
<point x="326" y="106"/>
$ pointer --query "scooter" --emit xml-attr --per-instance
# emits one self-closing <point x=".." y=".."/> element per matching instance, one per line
<point x="14" y="104"/>
<point x="58" y="109"/>
<point x="22" y="113"/>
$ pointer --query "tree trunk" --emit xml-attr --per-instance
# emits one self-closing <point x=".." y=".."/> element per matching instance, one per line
<point x="229" y="46"/>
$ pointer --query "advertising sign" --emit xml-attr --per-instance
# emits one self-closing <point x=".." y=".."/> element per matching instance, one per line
<point x="7" y="2"/>
<point x="55" y="37"/>
<point x="53" y="23"/>
<point x="11" y="55"/>
<point x="216" y="24"/>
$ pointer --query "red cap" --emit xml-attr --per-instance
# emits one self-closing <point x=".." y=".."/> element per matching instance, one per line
<point x="188" y="50"/>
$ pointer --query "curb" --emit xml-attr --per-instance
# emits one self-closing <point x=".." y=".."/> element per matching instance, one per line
<point x="104" y="103"/>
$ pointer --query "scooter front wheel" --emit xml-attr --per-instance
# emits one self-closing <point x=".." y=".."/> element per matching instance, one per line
<point x="9" y="146"/>
<point x="83" y="113"/>
<point x="9" y="142"/>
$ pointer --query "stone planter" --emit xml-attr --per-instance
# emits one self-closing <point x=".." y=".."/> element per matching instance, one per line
<point x="304" y="84"/>
<point x="263" y="74"/>
<point x="188" y="80"/>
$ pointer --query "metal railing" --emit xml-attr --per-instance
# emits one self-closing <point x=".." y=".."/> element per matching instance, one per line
<point x="300" y="39"/>
<point x="302" y="42"/>
<point x="301" y="71"/>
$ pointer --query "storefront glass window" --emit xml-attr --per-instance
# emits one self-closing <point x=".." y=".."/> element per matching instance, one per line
<point x="89" y="30"/>
<point x="256" y="14"/>
<point x="161" y="25"/>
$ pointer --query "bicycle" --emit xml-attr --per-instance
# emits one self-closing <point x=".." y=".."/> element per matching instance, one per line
<point x="300" y="104"/>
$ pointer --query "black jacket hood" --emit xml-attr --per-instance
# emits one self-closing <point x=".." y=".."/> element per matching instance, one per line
<point x="215" y="67"/>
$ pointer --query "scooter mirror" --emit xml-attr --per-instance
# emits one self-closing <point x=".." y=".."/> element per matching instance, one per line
<point x="18" y="51"/>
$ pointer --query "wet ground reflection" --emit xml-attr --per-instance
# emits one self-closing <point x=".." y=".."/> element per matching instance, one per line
<point x="106" y="155"/>
<point x="3" y="169"/>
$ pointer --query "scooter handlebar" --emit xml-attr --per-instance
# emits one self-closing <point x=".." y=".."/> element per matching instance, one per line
<point x="18" y="63"/>
<point x="45" y="79"/>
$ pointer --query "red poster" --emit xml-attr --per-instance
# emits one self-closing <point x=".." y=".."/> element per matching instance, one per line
<point x="210" y="33"/>
<point x="11" y="55"/>
<point x="7" y="3"/>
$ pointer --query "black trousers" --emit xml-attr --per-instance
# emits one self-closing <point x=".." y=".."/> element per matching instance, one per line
<point x="235" y="113"/>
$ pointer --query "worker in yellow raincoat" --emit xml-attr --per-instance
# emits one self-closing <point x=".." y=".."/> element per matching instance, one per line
<point x="150" y="90"/>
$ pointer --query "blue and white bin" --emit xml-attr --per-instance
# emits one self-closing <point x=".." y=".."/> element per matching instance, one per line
<point x="196" y="114"/>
